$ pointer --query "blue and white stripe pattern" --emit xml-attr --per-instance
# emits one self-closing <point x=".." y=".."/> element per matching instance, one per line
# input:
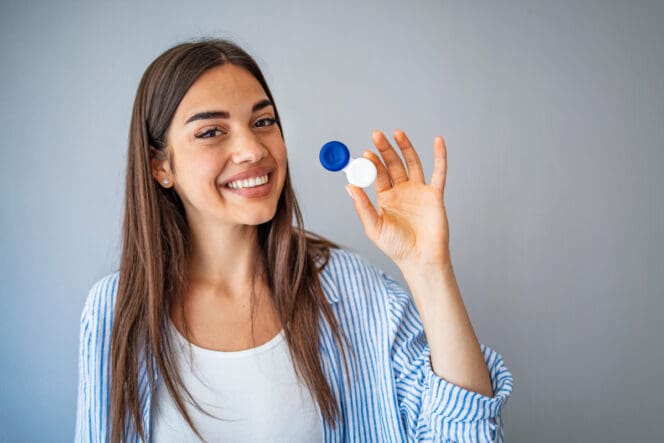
<point x="393" y="394"/>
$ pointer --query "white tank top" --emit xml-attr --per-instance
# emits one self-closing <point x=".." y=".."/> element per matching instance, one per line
<point x="255" y="388"/>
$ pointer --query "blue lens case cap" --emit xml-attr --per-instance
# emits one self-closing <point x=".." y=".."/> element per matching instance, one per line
<point x="334" y="156"/>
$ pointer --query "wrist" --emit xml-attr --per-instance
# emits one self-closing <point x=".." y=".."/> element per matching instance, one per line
<point x="429" y="280"/>
<point x="441" y="270"/>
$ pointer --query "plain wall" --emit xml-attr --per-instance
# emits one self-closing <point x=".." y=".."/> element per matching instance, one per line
<point x="553" y="113"/>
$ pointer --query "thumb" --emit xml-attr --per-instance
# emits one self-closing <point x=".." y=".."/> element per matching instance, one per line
<point x="365" y="210"/>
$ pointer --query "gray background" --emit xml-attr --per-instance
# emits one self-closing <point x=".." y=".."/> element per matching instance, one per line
<point x="553" y="116"/>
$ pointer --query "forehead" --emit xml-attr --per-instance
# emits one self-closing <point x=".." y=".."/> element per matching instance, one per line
<point x="227" y="87"/>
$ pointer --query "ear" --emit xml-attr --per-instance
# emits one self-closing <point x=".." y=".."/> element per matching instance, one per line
<point x="160" y="166"/>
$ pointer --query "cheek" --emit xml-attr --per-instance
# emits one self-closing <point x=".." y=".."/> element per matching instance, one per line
<point x="279" y="152"/>
<point x="198" y="168"/>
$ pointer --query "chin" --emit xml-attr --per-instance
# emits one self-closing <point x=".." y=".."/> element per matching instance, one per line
<point x="258" y="219"/>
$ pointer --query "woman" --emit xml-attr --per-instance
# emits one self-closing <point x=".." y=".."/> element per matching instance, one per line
<point x="222" y="310"/>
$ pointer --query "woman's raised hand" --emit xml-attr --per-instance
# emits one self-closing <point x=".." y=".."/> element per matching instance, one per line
<point x="410" y="223"/>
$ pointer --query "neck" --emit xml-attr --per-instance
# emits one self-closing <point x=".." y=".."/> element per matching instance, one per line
<point x="223" y="259"/>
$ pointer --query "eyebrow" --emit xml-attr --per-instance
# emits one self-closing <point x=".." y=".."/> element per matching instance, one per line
<point x="206" y="115"/>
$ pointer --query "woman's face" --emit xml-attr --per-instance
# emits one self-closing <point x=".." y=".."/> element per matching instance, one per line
<point x="228" y="156"/>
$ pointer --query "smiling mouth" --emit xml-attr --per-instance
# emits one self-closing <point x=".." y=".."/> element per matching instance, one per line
<point x="249" y="182"/>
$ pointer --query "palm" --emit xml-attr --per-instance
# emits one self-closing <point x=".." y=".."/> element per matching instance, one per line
<point x="410" y="224"/>
<point x="412" y="221"/>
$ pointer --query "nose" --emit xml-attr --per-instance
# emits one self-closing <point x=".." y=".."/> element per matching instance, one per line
<point x="247" y="148"/>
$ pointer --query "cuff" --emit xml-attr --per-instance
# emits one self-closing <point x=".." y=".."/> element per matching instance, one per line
<point x="447" y="402"/>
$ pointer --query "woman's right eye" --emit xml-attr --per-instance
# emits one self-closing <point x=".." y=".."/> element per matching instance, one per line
<point x="209" y="133"/>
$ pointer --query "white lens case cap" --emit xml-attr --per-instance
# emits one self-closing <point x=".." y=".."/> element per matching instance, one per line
<point x="361" y="172"/>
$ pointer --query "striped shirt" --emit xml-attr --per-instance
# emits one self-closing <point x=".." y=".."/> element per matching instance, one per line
<point x="393" y="394"/>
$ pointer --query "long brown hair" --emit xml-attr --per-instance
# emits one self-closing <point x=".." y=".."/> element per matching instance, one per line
<point x="156" y="250"/>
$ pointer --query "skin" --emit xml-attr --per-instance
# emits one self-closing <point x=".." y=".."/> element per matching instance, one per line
<point x="410" y="226"/>
<point x="223" y="224"/>
<point x="409" y="223"/>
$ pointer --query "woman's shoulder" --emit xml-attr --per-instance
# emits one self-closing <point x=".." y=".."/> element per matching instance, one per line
<point x="348" y="272"/>
<point x="101" y="297"/>
<point x="346" y="263"/>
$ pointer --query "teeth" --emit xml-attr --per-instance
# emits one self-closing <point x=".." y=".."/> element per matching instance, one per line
<point x="248" y="183"/>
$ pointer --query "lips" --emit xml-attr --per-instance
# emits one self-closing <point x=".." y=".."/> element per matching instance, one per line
<point x="256" y="192"/>
<point x="251" y="173"/>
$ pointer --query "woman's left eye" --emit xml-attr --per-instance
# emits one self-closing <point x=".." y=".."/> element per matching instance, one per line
<point x="265" y="122"/>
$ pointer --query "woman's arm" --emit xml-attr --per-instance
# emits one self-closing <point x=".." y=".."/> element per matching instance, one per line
<point x="455" y="351"/>
<point x="432" y="408"/>
<point x="94" y="353"/>
<point x="411" y="227"/>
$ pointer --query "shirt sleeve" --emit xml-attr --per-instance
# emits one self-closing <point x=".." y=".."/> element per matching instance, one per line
<point x="94" y="340"/>
<point x="83" y="411"/>
<point x="431" y="408"/>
